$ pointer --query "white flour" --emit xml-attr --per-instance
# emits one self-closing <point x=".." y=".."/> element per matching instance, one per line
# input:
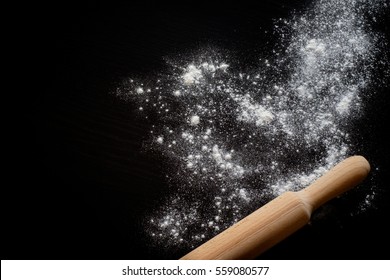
<point x="195" y="120"/>
<point x="252" y="112"/>
<point x="192" y="75"/>
<point x="238" y="139"/>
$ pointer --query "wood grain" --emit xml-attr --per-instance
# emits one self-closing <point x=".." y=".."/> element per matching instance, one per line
<point x="282" y="216"/>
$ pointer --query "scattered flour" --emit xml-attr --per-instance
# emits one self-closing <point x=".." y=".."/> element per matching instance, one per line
<point x="259" y="134"/>
<point x="253" y="112"/>
<point x="343" y="106"/>
<point x="192" y="75"/>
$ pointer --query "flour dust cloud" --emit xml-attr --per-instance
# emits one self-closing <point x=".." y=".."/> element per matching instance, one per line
<point x="233" y="139"/>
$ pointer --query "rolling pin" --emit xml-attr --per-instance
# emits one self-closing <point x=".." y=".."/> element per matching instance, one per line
<point x="282" y="216"/>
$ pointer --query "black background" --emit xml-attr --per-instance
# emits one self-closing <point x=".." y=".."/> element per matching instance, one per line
<point x="81" y="186"/>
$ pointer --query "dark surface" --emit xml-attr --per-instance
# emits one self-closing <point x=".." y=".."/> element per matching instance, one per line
<point x="81" y="185"/>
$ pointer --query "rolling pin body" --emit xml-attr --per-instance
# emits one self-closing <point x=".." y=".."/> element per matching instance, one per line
<point x="282" y="216"/>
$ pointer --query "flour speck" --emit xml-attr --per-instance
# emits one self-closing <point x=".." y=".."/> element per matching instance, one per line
<point x="195" y="120"/>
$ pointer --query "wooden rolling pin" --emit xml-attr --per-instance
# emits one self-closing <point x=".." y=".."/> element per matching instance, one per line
<point x="282" y="216"/>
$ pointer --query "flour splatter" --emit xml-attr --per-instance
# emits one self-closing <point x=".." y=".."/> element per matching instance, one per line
<point x="236" y="139"/>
